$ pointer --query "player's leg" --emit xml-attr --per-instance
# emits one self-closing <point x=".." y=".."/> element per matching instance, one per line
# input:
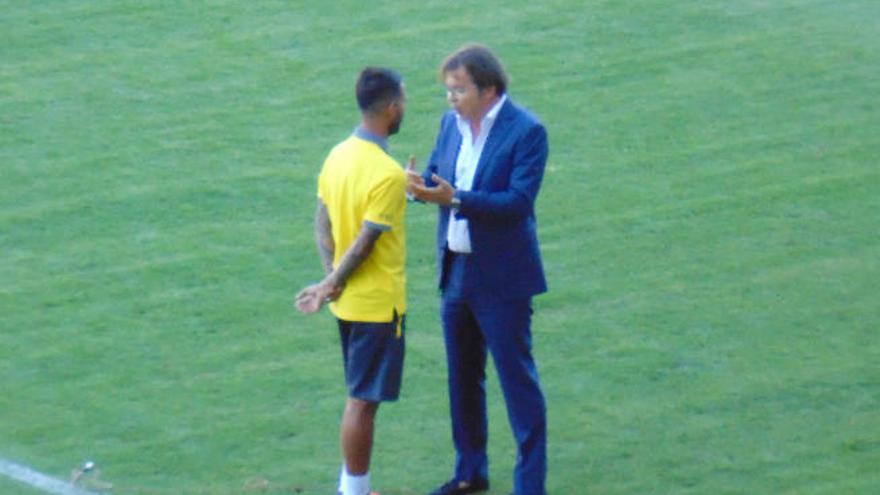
<point x="373" y="355"/>
<point x="356" y="436"/>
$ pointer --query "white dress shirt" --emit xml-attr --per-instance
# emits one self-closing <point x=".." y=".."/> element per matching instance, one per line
<point x="458" y="238"/>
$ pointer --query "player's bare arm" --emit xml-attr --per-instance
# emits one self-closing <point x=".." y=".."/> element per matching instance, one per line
<point x="313" y="297"/>
<point x="324" y="237"/>
<point x="358" y="252"/>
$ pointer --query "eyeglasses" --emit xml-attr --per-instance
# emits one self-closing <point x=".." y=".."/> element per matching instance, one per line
<point x="456" y="90"/>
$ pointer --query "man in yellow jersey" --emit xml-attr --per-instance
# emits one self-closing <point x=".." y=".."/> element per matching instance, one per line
<point x="359" y="229"/>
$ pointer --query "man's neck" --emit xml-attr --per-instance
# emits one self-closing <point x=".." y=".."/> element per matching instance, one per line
<point x="476" y="122"/>
<point x="374" y="127"/>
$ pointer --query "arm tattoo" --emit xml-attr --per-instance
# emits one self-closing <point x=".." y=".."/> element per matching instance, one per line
<point x="324" y="237"/>
<point x="356" y="254"/>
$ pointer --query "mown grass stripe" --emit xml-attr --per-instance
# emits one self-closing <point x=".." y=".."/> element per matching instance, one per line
<point x="40" y="481"/>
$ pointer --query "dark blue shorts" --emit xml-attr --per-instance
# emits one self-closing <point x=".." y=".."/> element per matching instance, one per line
<point x="372" y="355"/>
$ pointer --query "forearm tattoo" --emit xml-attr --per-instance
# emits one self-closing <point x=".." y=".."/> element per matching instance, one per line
<point x="324" y="237"/>
<point x="356" y="254"/>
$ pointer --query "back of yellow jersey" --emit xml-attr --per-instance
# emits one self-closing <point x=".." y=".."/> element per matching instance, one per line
<point x="360" y="183"/>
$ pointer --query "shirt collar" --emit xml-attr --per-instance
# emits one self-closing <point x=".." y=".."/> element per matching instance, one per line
<point x="372" y="137"/>
<point x="493" y="112"/>
<point x="490" y="116"/>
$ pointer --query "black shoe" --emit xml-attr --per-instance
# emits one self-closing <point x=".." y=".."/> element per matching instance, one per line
<point x="460" y="487"/>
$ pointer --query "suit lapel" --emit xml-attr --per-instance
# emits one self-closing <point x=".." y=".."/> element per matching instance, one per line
<point x="499" y="129"/>
<point x="447" y="169"/>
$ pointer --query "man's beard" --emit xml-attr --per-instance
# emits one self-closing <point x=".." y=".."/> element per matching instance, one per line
<point x="395" y="126"/>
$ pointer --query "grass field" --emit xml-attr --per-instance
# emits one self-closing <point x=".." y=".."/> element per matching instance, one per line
<point x="13" y="487"/>
<point x="709" y="222"/>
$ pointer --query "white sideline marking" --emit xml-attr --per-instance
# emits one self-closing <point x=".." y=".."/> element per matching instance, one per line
<point x="38" y="480"/>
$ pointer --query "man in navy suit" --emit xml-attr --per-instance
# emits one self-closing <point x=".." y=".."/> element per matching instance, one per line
<point x="484" y="174"/>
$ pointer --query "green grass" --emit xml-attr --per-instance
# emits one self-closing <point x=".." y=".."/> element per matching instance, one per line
<point x="708" y="220"/>
<point x="14" y="487"/>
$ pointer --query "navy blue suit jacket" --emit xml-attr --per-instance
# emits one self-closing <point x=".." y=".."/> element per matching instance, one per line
<point x="500" y="207"/>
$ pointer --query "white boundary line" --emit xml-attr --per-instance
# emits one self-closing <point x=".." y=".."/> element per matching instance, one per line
<point x="39" y="480"/>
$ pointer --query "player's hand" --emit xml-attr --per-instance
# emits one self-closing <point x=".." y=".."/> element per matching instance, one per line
<point x="312" y="298"/>
<point x="308" y="301"/>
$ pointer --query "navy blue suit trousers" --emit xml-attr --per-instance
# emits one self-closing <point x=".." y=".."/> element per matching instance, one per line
<point x="475" y="322"/>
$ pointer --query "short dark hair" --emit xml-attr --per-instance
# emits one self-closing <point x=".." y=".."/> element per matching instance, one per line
<point x="480" y="63"/>
<point x="376" y="88"/>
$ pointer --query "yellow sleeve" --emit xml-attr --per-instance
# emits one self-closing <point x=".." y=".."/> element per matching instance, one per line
<point x="387" y="200"/>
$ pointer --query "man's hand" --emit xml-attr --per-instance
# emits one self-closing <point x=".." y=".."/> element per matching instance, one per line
<point x="312" y="298"/>
<point x="441" y="194"/>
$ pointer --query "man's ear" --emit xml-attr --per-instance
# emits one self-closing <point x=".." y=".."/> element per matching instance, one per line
<point x="489" y="93"/>
<point x="392" y="109"/>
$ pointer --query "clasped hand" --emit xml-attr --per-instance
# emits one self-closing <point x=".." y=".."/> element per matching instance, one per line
<point x="313" y="297"/>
